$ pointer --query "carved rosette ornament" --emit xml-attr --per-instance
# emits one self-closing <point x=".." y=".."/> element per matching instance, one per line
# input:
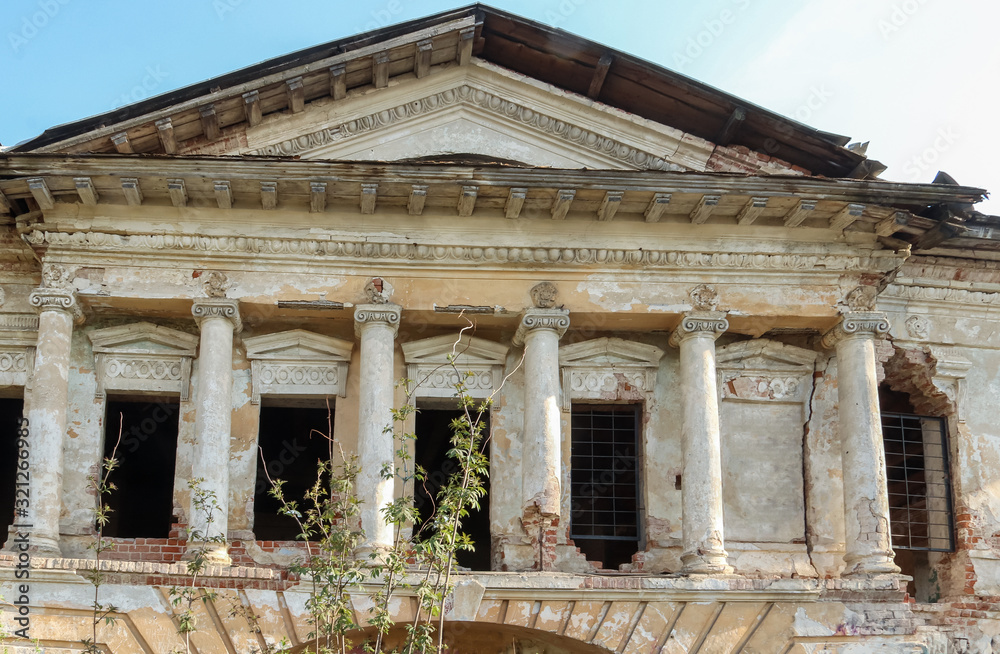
<point x="554" y="319"/>
<point x="378" y="291"/>
<point x="704" y="298"/>
<point x="55" y="276"/>
<point x="366" y="314"/>
<point x="918" y="327"/>
<point x="204" y="309"/>
<point x="869" y="324"/>
<point x="543" y="296"/>
<point x="711" y="324"/>
<point x="216" y="284"/>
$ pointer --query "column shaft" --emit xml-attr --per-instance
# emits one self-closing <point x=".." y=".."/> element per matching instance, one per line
<point x="866" y="499"/>
<point x="542" y="421"/>
<point x="47" y="415"/>
<point x="213" y="422"/>
<point x="376" y="326"/>
<point x="704" y="549"/>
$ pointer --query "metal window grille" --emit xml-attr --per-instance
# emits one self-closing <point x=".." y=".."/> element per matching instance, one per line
<point x="603" y="476"/>
<point x="916" y="462"/>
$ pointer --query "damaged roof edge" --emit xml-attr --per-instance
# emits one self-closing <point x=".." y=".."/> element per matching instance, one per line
<point x="766" y="125"/>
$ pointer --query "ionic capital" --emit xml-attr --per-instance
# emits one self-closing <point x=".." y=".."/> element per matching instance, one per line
<point x="711" y="324"/>
<point x="217" y="307"/>
<point x="373" y="314"/>
<point x="56" y="299"/>
<point x="554" y="319"/>
<point x="856" y="324"/>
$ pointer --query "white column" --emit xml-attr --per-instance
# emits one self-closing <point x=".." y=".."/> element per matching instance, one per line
<point x="703" y="534"/>
<point x="376" y="326"/>
<point x="218" y="318"/>
<point x="47" y="414"/>
<point x="539" y="332"/>
<point x="866" y="498"/>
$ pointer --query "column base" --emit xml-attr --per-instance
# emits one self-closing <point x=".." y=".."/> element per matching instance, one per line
<point x="870" y="565"/>
<point x="373" y="554"/>
<point x="44" y="546"/>
<point x="714" y="563"/>
<point x="213" y="553"/>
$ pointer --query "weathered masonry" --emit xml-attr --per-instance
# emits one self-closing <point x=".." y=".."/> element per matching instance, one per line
<point x="745" y="390"/>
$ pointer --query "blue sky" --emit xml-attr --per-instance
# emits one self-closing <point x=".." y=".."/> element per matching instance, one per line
<point x="918" y="78"/>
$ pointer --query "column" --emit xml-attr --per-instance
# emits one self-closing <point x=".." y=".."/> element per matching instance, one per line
<point x="376" y="326"/>
<point x="539" y="332"/>
<point x="866" y="499"/>
<point x="47" y="414"/>
<point x="218" y="319"/>
<point x="703" y="534"/>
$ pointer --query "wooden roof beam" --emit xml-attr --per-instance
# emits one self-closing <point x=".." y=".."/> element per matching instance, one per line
<point x="422" y="59"/>
<point x="751" y="210"/>
<point x="252" y="109"/>
<point x="732" y="126"/>
<point x="209" y="121"/>
<point x="269" y="195"/>
<point x="86" y="190"/>
<point x="465" y="42"/>
<point x="467" y="200"/>
<point x="656" y="207"/>
<point x="891" y="225"/>
<point x="600" y="73"/>
<point x="177" y="191"/>
<point x="610" y="204"/>
<point x="418" y="196"/>
<point x="165" y="130"/>
<point x="515" y="202"/>
<point x="562" y="203"/>
<point x="132" y="191"/>
<point x="846" y="216"/>
<point x="317" y="197"/>
<point x="380" y="70"/>
<point x="802" y="210"/>
<point x="369" y="193"/>
<point x="5" y="205"/>
<point x="703" y="210"/>
<point x="223" y="193"/>
<point x="121" y="143"/>
<point x="40" y="191"/>
<point x="338" y="82"/>
<point x="296" y="92"/>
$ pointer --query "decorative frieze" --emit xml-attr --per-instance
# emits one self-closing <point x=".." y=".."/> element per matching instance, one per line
<point x="298" y="362"/>
<point x="761" y="370"/>
<point x="16" y="364"/>
<point x="143" y="357"/>
<point x="366" y="251"/>
<point x="436" y="364"/>
<point x="480" y="99"/>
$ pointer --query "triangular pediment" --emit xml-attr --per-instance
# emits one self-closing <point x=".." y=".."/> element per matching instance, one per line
<point x="144" y="338"/>
<point x="610" y="352"/>
<point x="468" y="351"/>
<point x="298" y="344"/>
<point x="764" y="355"/>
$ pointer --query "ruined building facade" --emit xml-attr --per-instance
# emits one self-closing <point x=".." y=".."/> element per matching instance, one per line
<point x="745" y="391"/>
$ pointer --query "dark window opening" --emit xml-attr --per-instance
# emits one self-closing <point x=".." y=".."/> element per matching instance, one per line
<point x="142" y="503"/>
<point x="12" y="487"/>
<point x="918" y="480"/>
<point x="434" y="432"/>
<point x="293" y="439"/>
<point x="604" y="482"/>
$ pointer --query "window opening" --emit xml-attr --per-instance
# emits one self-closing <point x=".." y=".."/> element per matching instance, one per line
<point x="917" y="475"/>
<point x="142" y="504"/>
<point x="291" y="449"/>
<point x="12" y="486"/>
<point x="604" y="485"/>
<point x="433" y="431"/>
